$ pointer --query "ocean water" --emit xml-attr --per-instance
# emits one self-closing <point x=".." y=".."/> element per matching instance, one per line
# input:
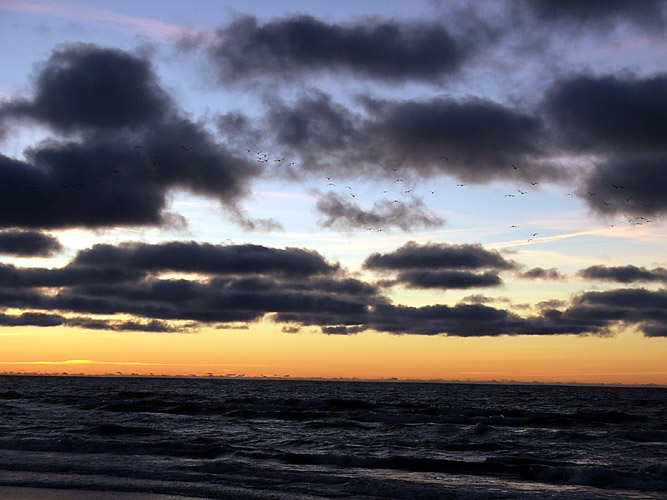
<point x="298" y="439"/>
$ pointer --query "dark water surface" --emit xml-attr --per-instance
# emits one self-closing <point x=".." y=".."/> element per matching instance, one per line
<point x="295" y="439"/>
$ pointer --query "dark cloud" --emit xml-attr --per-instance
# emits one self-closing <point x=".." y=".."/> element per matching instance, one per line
<point x="479" y="139"/>
<point x="232" y="284"/>
<point x="70" y="275"/>
<point x="124" y="326"/>
<point x="539" y="273"/>
<point x="388" y="50"/>
<point x="447" y="279"/>
<point x="473" y="139"/>
<point x="636" y="306"/>
<point x="436" y="256"/>
<point x="625" y="274"/>
<point x="28" y="244"/>
<point x="621" y="113"/>
<point x="622" y="120"/>
<point x="631" y="185"/>
<point x="193" y="257"/>
<point x="31" y="319"/>
<point x="439" y="265"/>
<point x="83" y="86"/>
<point x="241" y="284"/>
<point x="131" y="148"/>
<point x="469" y="320"/>
<point x="407" y="215"/>
<point x="648" y="14"/>
<point x="313" y="124"/>
<point x="478" y="299"/>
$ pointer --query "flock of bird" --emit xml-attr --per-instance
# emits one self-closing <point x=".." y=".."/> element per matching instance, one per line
<point x="265" y="157"/>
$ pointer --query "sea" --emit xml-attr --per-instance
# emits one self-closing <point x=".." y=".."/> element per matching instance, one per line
<point x="223" y="438"/>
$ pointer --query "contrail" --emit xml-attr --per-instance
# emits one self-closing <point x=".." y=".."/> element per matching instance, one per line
<point x="157" y="29"/>
<point x="546" y="239"/>
<point x="140" y="231"/>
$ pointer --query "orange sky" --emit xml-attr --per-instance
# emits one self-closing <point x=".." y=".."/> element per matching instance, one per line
<point x="263" y="350"/>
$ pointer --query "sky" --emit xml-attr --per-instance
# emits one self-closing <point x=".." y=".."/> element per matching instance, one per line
<point x="440" y="190"/>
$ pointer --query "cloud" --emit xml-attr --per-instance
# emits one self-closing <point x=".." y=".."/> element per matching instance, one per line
<point x="623" y="121"/>
<point x="467" y="320"/>
<point x="405" y="215"/>
<point x="649" y="14"/>
<point x="83" y="86"/>
<point x="622" y="113"/>
<point x="236" y="285"/>
<point x="229" y="284"/>
<point x="438" y="256"/>
<point x="388" y="50"/>
<point x="153" y="326"/>
<point x="631" y="185"/>
<point x="636" y="306"/>
<point x="70" y="275"/>
<point x="478" y="299"/>
<point x="28" y="244"/>
<point x="31" y="319"/>
<point x="447" y="279"/>
<point x="313" y="124"/>
<point x="625" y="274"/>
<point x="206" y="258"/>
<point x="539" y="273"/>
<point x="473" y="139"/>
<point x="439" y="265"/>
<point x="129" y="148"/>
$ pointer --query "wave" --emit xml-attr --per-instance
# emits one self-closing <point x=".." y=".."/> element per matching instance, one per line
<point x="649" y="479"/>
